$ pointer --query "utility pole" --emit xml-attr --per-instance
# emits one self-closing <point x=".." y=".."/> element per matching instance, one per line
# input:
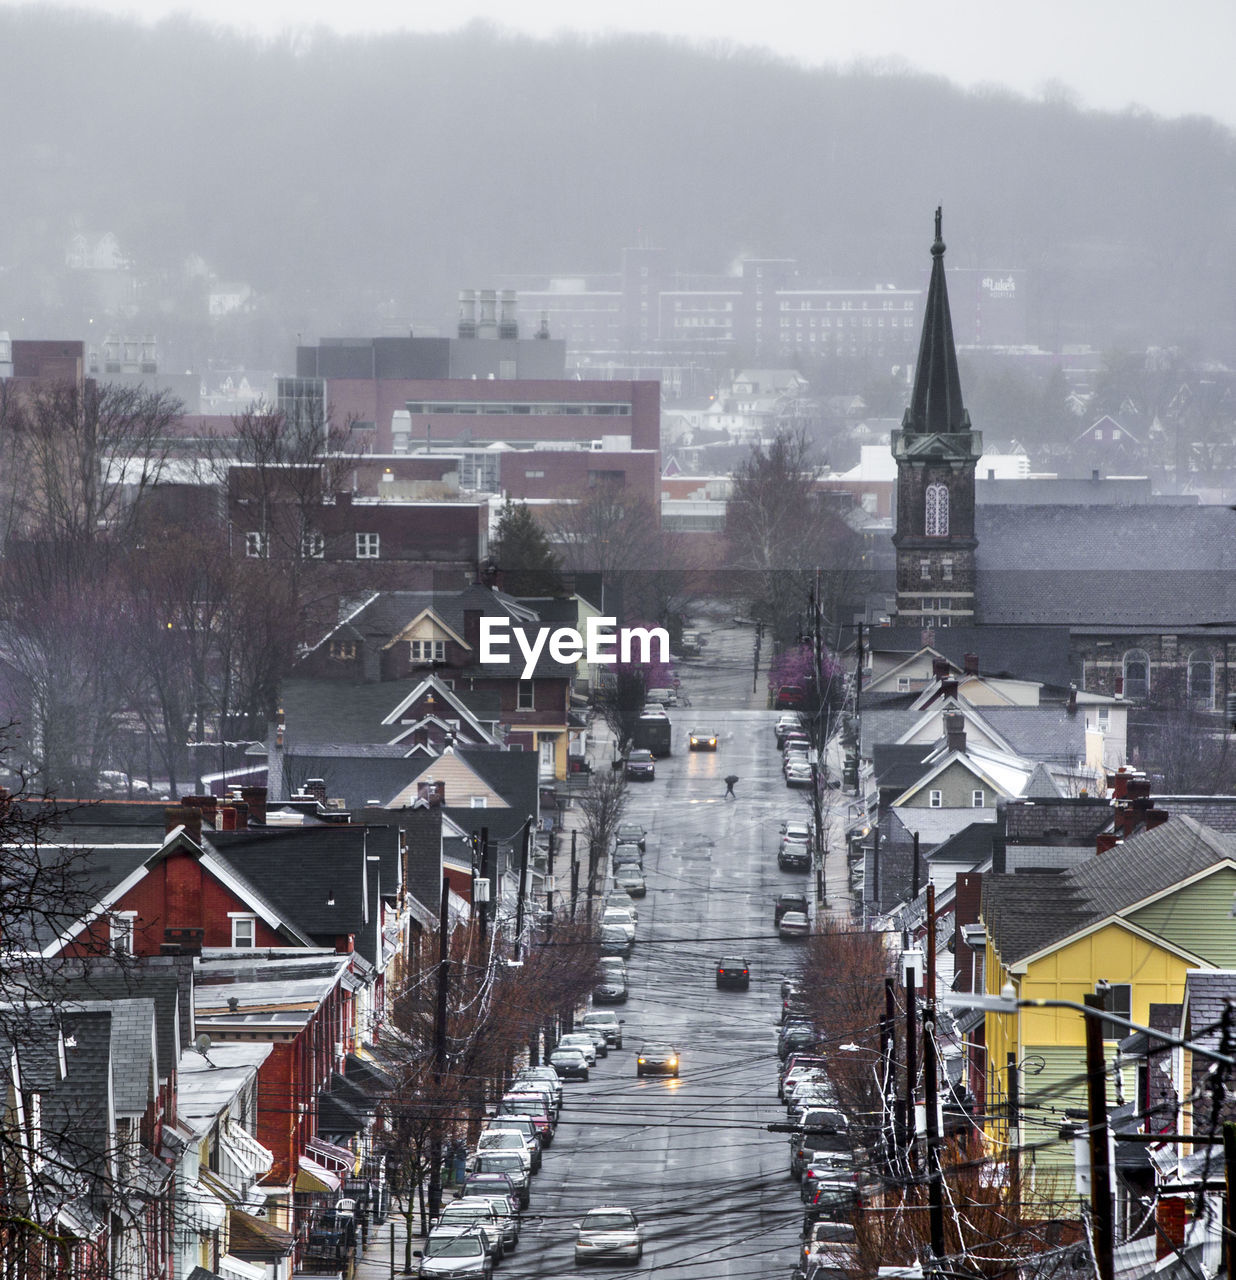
<point x="549" y="875"/>
<point x="916" y="880"/>
<point x="1014" y="1139"/>
<point x="439" y="1048"/>
<point x="484" y="906"/>
<point x="574" y="875"/>
<point x="1229" y="1167"/>
<point x="888" y="1087"/>
<point x="931" y="1088"/>
<point x="523" y="885"/>
<point x="1100" y="1168"/>
<point x="592" y="879"/>
<point x="911" y="1070"/>
<point x="759" y="636"/>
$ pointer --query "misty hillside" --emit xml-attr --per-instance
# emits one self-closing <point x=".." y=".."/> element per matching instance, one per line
<point x="350" y="180"/>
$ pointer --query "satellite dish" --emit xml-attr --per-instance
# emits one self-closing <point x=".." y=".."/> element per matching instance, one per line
<point x="202" y="1044"/>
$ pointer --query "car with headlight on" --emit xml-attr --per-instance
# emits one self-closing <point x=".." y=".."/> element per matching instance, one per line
<point x="569" y="1063"/>
<point x="608" y="1233"/>
<point x="640" y="766"/>
<point x="703" y="740"/>
<point x="657" y="1059"/>
<point x="794" y="924"/>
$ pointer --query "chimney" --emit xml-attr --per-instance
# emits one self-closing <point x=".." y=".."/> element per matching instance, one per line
<point x="209" y="806"/>
<point x="183" y="816"/>
<point x="227" y="817"/>
<point x="316" y="787"/>
<point x="487" y="319"/>
<point x="508" y="324"/>
<point x="255" y="798"/>
<point x="1071" y="705"/>
<point x="1094" y="476"/>
<point x="242" y="815"/>
<point x="948" y="687"/>
<point x="1105" y="841"/>
<point x="1169" y="1221"/>
<point x="467" y="313"/>
<point x="999" y="839"/>
<point x="1155" y="818"/>
<point x="970" y="662"/>
<point x="1120" y="783"/>
<point x="955" y="730"/>
<point x="472" y="631"/>
<point x="433" y="793"/>
<point x="939" y="668"/>
<point x="1119" y="687"/>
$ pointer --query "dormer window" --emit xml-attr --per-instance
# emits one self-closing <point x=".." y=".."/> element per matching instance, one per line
<point x="428" y="650"/>
<point x="937" y="511"/>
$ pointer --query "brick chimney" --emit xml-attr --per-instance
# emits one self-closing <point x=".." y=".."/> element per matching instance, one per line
<point x="948" y="687"/>
<point x="433" y="793"/>
<point x="939" y="668"/>
<point x="227" y="818"/>
<point x="1105" y="841"/>
<point x="1169" y="1221"/>
<point x="208" y="806"/>
<point x="255" y="798"/>
<point x="1071" y="705"/>
<point x="955" y="730"/>
<point x="970" y="663"/>
<point x="242" y="815"/>
<point x="316" y="787"/>
<point x="186" y="816"/>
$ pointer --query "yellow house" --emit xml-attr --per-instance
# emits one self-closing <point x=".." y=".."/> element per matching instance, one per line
<point x="1136" y="918"/>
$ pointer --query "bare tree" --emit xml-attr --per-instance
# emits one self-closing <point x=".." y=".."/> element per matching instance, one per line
<point x="602" y="806"/>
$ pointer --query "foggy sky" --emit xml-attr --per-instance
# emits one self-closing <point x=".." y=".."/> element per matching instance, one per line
<point x="1111" y="54"/>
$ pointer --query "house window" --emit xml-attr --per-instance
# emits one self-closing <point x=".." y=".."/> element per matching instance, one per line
<point x="976" y="798"/>
<point x="478" y="802"/>
<point x="244" y="931"/>
<point x="122" y="932"/>
<point x="1105" y="718"/>
<point x="1098" y="433"/>
<point x="1118" y="999"/>
<point x="903" y="684"/>
<point x="1136" y="674"/>
<point x="935" y="799"/>
<point x="534" y="475"/>
<point x="924" y="569"/>
<point x="343" y="650"/>
<point x="367" y="546"/>
<point x="937" y="511"/>
<point x="946" y="569"/>
<point x="428" y="650"/>
<point x="312" y="546"/>
<point x="256" y="544"/>
<point x="1201" y="679"/>
<point x="523" y="699"/>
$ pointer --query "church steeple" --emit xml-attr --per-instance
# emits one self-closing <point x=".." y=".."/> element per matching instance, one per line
<point x="935" y="407"/>
<point x="936" y="453"/>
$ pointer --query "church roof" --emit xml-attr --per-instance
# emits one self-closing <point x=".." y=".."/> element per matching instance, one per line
<point x="1124" y="566"/>
<point x="935" y="405"/>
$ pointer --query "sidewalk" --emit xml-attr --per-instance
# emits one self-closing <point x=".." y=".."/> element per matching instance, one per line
<point x="376" y="1263"/>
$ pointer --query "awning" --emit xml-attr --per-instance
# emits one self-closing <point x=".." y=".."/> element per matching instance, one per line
<point x="198" y="1208"/>
<point x="311" y="1176"/>
<point x="257" y="1239"/>
<point x="331" y="1155"/>
<point x="245" y="1150"/>
<point x="220" y="1187"/>
<point x="234" y="1268"/>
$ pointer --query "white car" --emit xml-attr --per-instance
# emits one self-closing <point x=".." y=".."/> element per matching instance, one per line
<point x="794" y="924"/>
<point x="582" y="1041"/>
<point x="506" y="1140"/>
<point x="798" y="773"/>
<point x="621" y="917"/>
<point x="608" y="1023"/>
<point x="609" y="1232"/>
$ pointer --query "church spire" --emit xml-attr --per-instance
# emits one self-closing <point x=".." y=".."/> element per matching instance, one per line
<point x="935" y="406"/>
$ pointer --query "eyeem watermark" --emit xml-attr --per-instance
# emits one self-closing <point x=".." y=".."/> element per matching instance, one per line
<point x="602" y="643"/>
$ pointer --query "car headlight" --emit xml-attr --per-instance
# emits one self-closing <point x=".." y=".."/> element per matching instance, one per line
<point x="673" y="1062"/>
<point x="641" y="1062"/>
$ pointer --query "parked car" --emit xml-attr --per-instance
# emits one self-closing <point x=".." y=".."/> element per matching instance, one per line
<point x="657" y="1059"/>
<point x="733" y="971"/>
<point x="608" y="1023"/>
<point x="789" y="902"/>
<point x="489" y="1184"/>
<point x="608" y="1233"/>
<point x="632" y="833"/>
<point x="507" y="1217"/>
<point x="795" y="1036"/>
<point x="584" y="1043"/>
<point x="615" y="940"/>
<point x="612" y="986"/>
<point x="794" y="857"/>
<point x="665" y="696"/>
<point x="627" y="855"/>
<point x="512" y="1164"/>
<point x="570" y="1063"/>
<point x="461" y="1217"/>
<point x="640" y="766"/>
<point x="799" y="773"/>
<point x="794" y="924"/>
<point x="509" y="1140"/>
<point x="789" y="695"/>
<point x="703" y="740"/>
<point x="631" y="880"/>
<point x="464" y="1257"/>
<point x="621" y="916"/>
<point x="520" y="1124"/>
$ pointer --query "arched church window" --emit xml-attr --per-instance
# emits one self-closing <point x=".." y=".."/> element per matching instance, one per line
<point x="937" y="511"/>
<point x="1136" y="674"/>
<point x="1201" y="679"/>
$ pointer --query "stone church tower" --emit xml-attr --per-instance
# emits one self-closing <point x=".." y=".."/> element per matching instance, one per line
<point x="936" y="454"/>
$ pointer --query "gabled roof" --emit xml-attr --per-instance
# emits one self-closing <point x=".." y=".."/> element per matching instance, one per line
<point x="981" y="770"/>
<point x="971" y="845"/>
<point x="135" y="1071"/>
<point x="1024" y="917"/>
<point x="1207" y="993"/>
<point x="1038" y="653"/>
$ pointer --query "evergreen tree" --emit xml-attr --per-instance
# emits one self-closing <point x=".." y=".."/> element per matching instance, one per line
<point x="525" y="560"/>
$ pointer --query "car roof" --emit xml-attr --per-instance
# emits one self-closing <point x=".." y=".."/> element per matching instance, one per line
<point x="729" y="960"/>
<point x="788" y="915"/>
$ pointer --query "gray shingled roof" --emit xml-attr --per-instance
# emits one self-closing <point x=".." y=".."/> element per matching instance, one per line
<point x="1046" y="732"/>
<point x="1082" y="571"/>
<point x="1077" y="820"/>
<point x="132" y="1048"/>
<point x="1024" y="915"/>
<point x="148" y="977"/>
<point x="339" y="711"/>
<point x="1208" y="991"/>
<point x="1026" y="653"/>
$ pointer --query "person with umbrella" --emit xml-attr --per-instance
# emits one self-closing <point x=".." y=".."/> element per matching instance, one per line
<point x="730" y="779"/>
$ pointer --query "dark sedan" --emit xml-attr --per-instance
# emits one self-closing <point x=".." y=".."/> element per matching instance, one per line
<point x="732" y="971"/>
<point x="703" y="740"/>
<point x="641" y="767"/>
<point x="657" y="1060"/>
